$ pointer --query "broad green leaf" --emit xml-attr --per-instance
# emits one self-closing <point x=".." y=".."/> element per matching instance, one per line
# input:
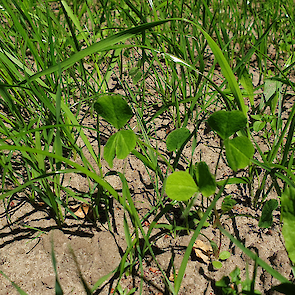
<point x="224" y="284"/>
<point x="224" y="255"/>
<point x="226" y="123"/>
<point x="288" y="216"/>
<point x="119" y="144"/>
<point x="126" y="142"/>
<point x="265" y="220"/>
<point x="205" y="180"/>
<point x="227" y="204"/>
<point x="270" y="88"/>
<point x="239" y="151"/>
<point x="180" y="186"/>
<point x="235" y="276"/>
<point x="109" y="151"/>
<point x="114" y="109"/>
<point x="176" y="138"/>
<point x="217" y="264"/>
<point x="258" y="126"/>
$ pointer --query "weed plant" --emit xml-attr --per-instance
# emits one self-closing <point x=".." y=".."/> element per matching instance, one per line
<point x="228" y="64"/>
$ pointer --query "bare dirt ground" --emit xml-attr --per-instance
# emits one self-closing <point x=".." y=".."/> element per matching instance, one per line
<point x="25" y="249"/>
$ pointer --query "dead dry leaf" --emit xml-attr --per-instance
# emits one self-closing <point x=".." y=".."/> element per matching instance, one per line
<point x="202" y="250"/>
<point x="80" y="210"/>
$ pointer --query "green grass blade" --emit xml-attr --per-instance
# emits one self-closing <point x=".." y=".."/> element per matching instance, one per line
<point x="187" y="254"/>
<point x="20" y="291"/>
<point x="58" y="289"/>
<point x="79" y="168"/>
<point x="227" y="72"/>
<point x="134" y="215"/>
<point x="254" y="256"/>
<point x="94" y="48"/>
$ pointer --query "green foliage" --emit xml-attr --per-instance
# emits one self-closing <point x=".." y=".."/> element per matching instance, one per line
<point x="205" y="179"/>
<point x="19" y="290"/>
<point x="239" y="151"/>
<point x="266" y="218"/>
<point x="180" y="186"/>
<point x="226" y="123"/>
<point x="54" y="72"/>
<point x="217" y="264"/>
<point x="288" y="217"/>
<point x="58" y="289"/>
<point x="246" y="81"/>
<point x="227" y="204"/>
<point x="229" y="285"/>
<point x="224" y="255"/>
<point x="176" y="138"/>
<point x="119" y="144"/>
<point x="114" y="109"/>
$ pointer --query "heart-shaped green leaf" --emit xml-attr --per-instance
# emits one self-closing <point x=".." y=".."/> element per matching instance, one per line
<point x="205" y="180"/>
<point x="239" y="151"/>
<point x="120" y="144"/>
<point x="109" y="152"/>
<point x="180" y="186"/>
<point x="176" y="138"/>
<point x="126" y="142"/>
<point x="114" y="109"/>
<point x="226" y="123"/>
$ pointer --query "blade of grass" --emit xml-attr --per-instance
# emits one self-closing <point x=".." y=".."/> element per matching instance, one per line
<point x="187" y="254"/>
<point x="58" y="289"/>
<point x="134" y="215"/>
<point x="19" y="290"/>
<point x="254" y="256"/>
<point x="94" y="48"/>
<point x="78" y="167"/>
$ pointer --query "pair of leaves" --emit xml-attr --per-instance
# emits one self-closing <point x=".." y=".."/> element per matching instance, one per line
<point x="239" y="150"/>
<point x="115" y="110"/>
<point x="181" y="186"/>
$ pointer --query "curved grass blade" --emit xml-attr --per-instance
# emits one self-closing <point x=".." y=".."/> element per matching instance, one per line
<point x="78" y="167"/>
<point x="20" y="291"/>
<point x="97" y="47"/>
<point x="189" y="248"/>
<point x="227" y="71"/>
<point x="58" y="289"/>
<point x="254" y="256"/>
